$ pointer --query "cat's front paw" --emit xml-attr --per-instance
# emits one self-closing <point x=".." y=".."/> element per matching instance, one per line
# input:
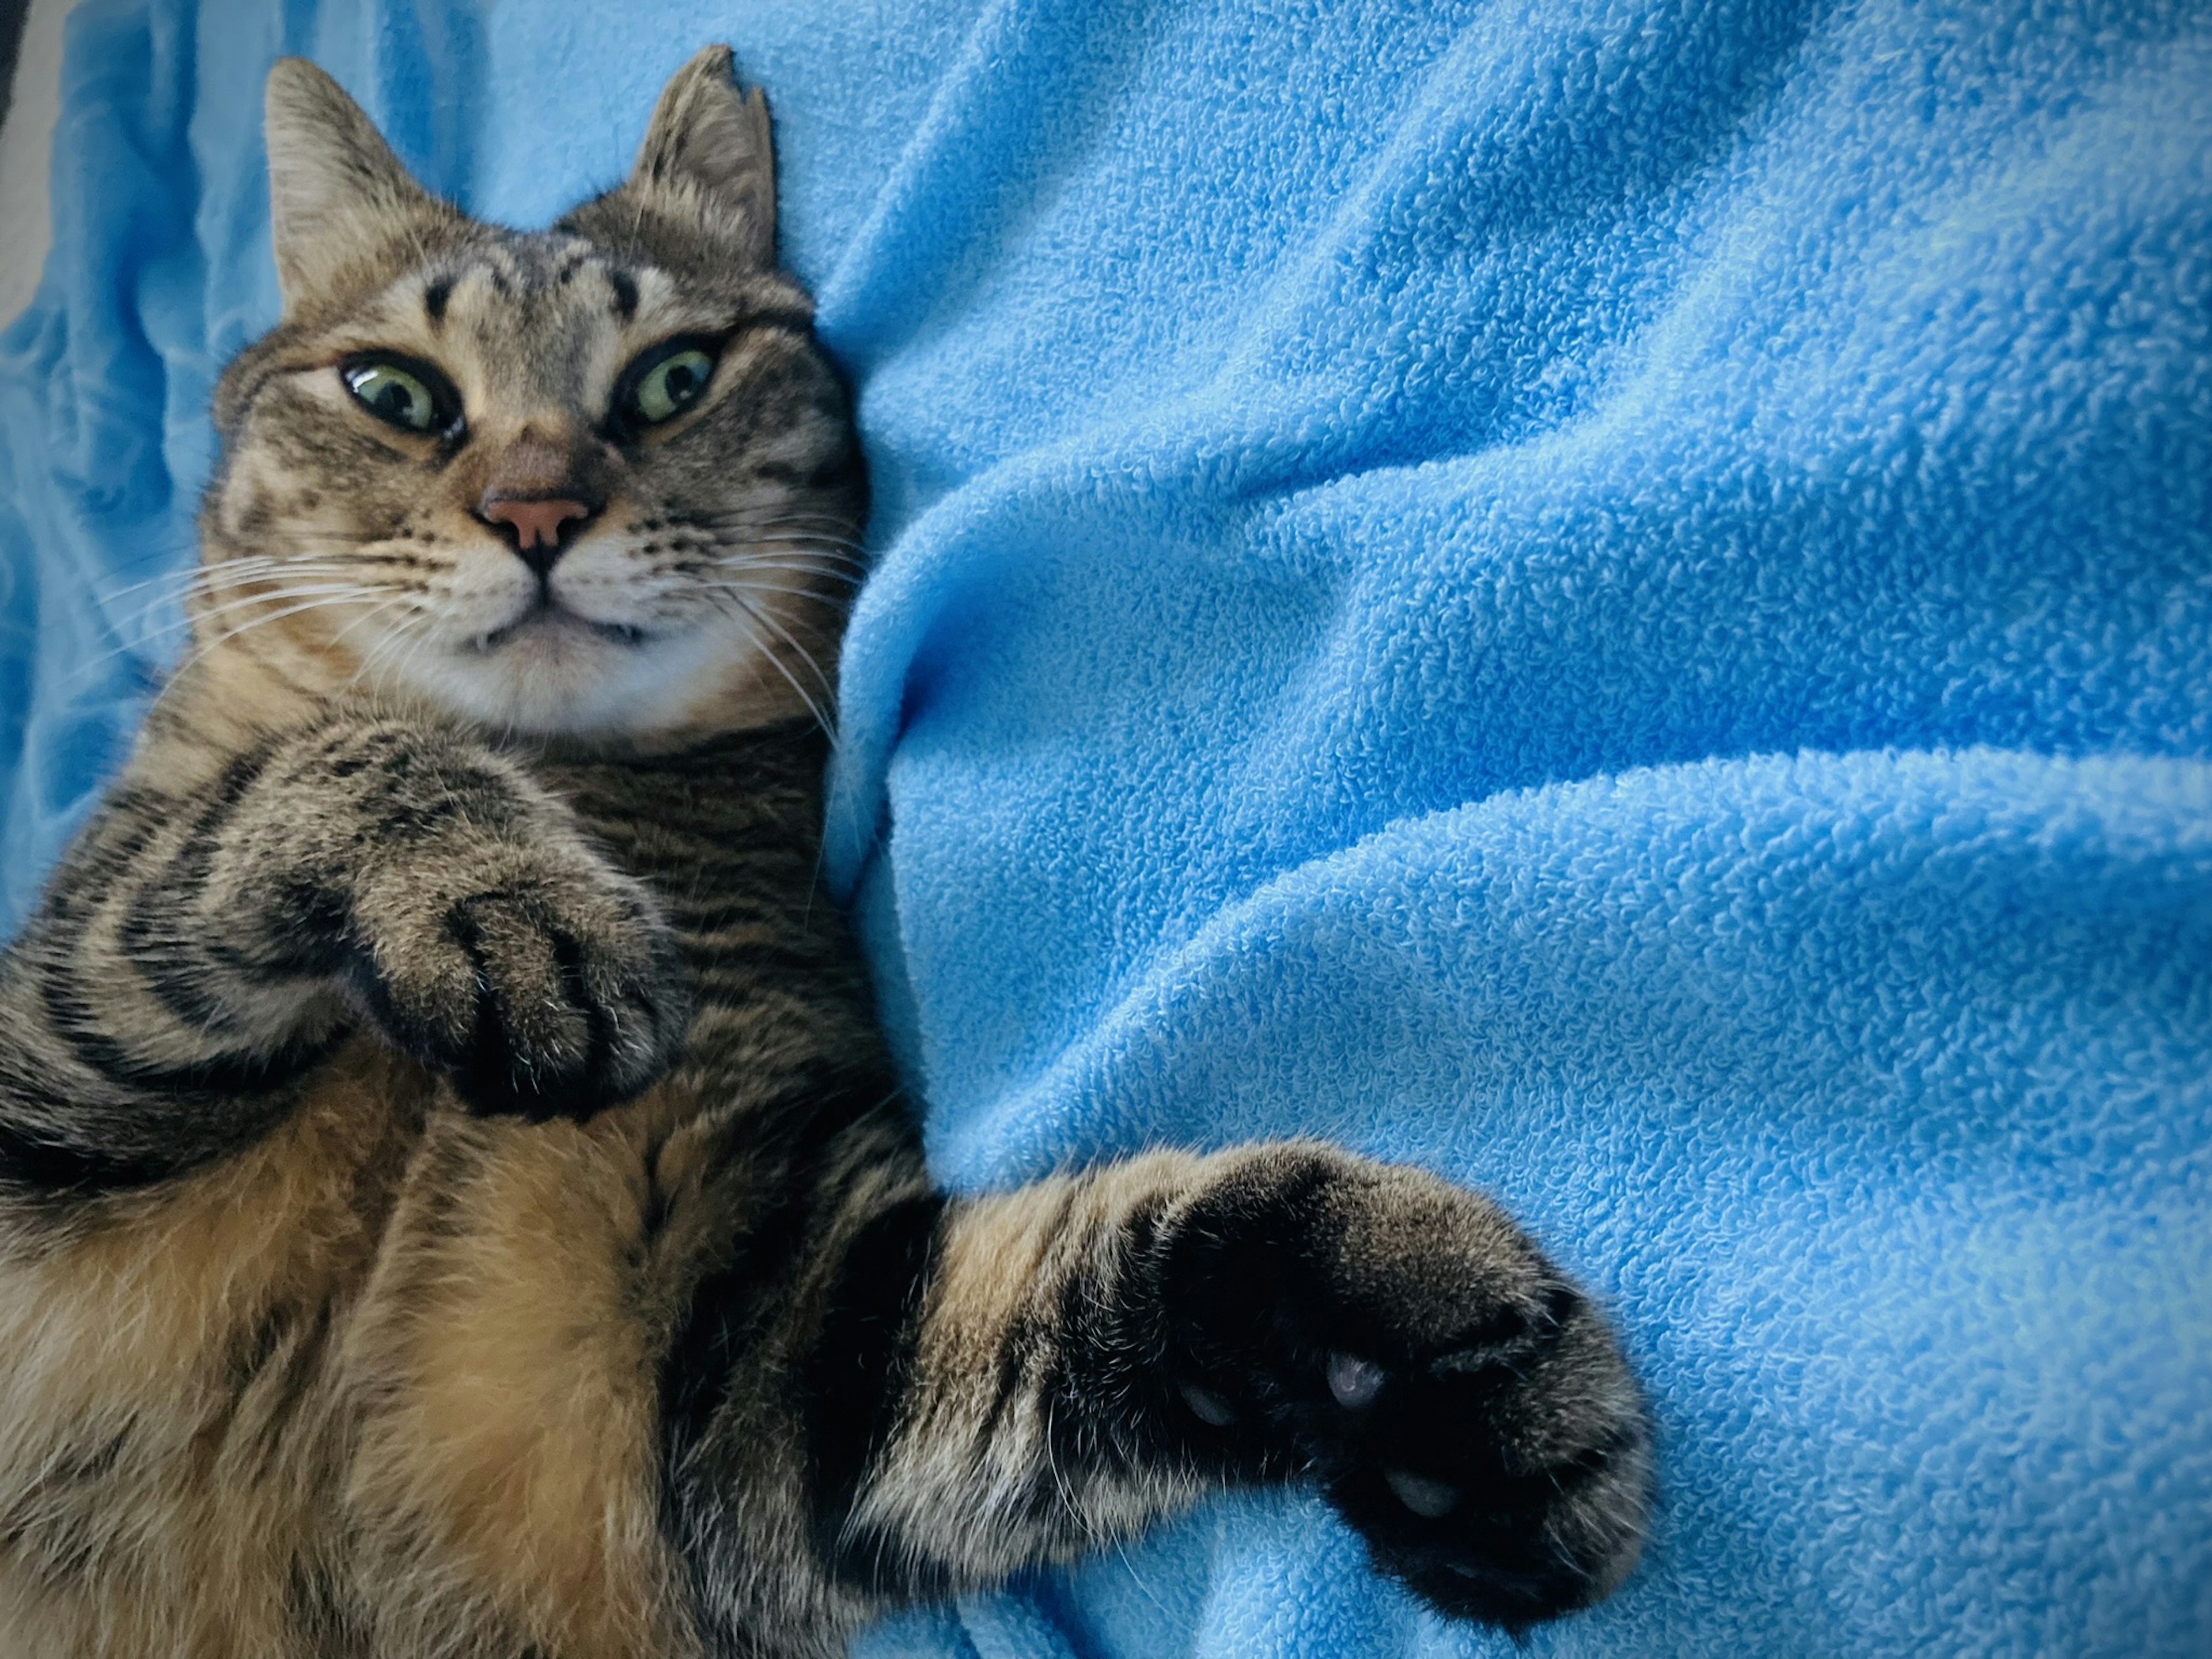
<point x="1399" y="1338"/>
<point x="543" y="982"/>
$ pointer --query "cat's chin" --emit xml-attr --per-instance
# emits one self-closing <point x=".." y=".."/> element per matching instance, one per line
<point x="555" y="674"/>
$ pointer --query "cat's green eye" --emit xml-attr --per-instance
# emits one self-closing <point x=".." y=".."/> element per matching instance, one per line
<point x="666" y="380"/>
<point x="412" y="397"/>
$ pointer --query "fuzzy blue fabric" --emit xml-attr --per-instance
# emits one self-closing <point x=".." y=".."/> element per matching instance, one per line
<point x="1614" y="597"/>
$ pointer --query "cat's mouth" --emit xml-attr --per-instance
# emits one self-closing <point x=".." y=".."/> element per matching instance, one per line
<point x="548" y="615"/>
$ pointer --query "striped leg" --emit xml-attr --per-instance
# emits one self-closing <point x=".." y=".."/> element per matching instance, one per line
<point x="1089" y="1353"/>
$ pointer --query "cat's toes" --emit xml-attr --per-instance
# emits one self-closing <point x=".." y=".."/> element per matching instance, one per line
<point x="1399" y="1340"/>
<point x="1508" y="1482"/>
<point x="553" y="993"/>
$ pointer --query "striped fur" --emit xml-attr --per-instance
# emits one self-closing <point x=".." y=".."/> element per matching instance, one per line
<point x="453" y="1199"/>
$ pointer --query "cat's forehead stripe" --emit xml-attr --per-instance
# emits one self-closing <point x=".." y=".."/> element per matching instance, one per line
<point x="529" y="271"/>
<point x="661" y="304"/>
<point x="625" y="288"/>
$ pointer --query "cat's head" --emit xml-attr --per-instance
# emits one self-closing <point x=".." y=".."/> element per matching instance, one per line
<point x="596" y="480"/>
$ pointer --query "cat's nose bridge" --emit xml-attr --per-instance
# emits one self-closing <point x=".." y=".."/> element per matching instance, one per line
<point x="535" y="464"/>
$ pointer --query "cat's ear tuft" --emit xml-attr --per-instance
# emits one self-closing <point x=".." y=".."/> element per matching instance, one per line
<point x="338" y="198"/>
<point x="708" y="159"/>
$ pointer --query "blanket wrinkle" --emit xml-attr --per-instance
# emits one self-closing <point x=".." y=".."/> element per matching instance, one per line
<point x="1611" y="598"/>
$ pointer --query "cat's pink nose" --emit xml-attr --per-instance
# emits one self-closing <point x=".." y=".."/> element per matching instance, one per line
<point x="537" y="524"/>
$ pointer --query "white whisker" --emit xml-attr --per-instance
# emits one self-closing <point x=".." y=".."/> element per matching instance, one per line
<point x="848" y="577"/>
<point x="243" y="628"/>
<point x="766" y="650"/>
<point x="210" y="575"/>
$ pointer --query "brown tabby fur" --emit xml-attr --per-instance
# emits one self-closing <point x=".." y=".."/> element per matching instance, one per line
<point x="453" y="1198"/>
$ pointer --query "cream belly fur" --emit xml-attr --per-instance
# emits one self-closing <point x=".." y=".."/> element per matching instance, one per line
<point x="470" y="1404"/>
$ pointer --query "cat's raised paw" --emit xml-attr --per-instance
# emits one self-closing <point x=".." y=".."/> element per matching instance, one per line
<point x="553" y="990"/>
<point x="1401" y="1341"/>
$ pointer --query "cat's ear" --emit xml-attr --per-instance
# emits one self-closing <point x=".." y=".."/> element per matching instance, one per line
<point x="338" y="198"/>
<point x="708" y="160"/>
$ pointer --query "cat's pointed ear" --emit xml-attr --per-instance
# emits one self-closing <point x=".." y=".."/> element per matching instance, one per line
<point x="708" y="159"/>
<point x="338" y="198"/>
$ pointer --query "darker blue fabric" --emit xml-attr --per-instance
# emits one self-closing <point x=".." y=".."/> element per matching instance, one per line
<point x="1615" y="598"/>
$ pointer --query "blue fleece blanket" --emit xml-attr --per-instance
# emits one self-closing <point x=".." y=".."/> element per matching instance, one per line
<point x="1614" y="597"/>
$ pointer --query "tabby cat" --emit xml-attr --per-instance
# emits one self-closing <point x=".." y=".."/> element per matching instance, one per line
<point x="453" y="1199"/>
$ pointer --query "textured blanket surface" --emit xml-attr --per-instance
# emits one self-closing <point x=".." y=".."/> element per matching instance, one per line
<point x="1612" y="596"/>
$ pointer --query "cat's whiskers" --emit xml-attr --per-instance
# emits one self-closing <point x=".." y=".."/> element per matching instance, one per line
<point x="404" y="641"/>
<point x="772" y="590"/>
<point x="821" y="530"/>
<point x="177" y="675"/>
<point x="374" y="610"/>
<point x="795" y="541"/>
<point x="804" y="540"/>
<point x="367" y="658"/>
<point x="147" y="635"/>
<point x="851" y="578"/>
<point x="751" y="614"/>
<point x="401" y="634"/>
<point x="185" y="574"/>
<point x="334" y="591"/>
<point x="768" y="590"/>
<point x="218" y="603"/>
<point x="342" y="597"/>
<point x="767" y="619"/>
<point x="781" y="513"/>
<point x="182" y="583"/>
<point x="819" y="527"/>
<point x="310" y="598"/>
<point x="791" y="553"/>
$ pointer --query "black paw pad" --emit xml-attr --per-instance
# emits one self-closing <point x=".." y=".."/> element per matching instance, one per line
<point x="1209" y="1406"/>
<point x="1399" y="1339"/>
<point x="1353" y="1383"/>
<point x="1432" y="1500"/>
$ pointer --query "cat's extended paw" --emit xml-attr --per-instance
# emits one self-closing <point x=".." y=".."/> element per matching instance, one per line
<point x="1399" y="1338"/>
<point x="546" y="986"/>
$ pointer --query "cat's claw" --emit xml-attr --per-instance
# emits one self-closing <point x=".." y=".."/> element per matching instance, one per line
<point x="1353" y="1382"/>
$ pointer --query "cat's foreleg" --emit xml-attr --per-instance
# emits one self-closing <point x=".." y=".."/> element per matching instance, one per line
<point x="203" y="945"/>
<point x="1089" y="1353"/>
